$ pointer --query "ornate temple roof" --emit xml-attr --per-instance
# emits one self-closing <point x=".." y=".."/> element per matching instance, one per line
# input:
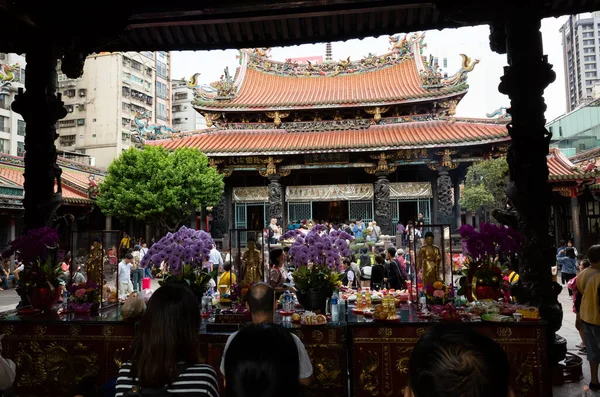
<point x="400" y="76"/>
<point x="563" y="170"/>
<point x="76" y="181"/>
<point x="415" y="134"/>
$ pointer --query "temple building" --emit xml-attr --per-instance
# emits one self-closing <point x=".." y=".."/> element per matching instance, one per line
<point x="372" y="139"/>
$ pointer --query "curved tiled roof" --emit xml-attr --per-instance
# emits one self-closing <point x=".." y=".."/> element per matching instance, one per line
<point x="562" y="169"/>
<point x="399" y="83"/>
<point x="377" y="137"/>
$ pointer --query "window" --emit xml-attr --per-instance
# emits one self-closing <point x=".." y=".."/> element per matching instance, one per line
<point x="590" y="50"/>
<point x="136" y="79"/>
<point x="22" y="76"/>
<point x="550" y="129"/>
<point x="587" y="58"/>
<point x="588" y="34"/>
<point x="161" y="90"/>
<point x="125" y="91"/>
<point x="82" y="92"/>
<point x="67" y="140"/>
<point x="181" y="95"/>
<point x="590" y="74"/>
<point x="3" y="103"/>
<point x="588" y="42"/>
<point x="70" y="93"/>
<point x="20" y="148"/>
<point x="4" y="146"/>
<point x="125" y="121"/>
<point x="125" y="106"/>
<point x="136" y="65"/>
<point x="590" y="66"/>
<point x="445" y="62"/>
<point x="559" y="130"/>
<point x="125" y="77"/>
<point x="587" y="27"/>
<point x="21" y="127"/>
<point x="3" y="127"/>
<point x="66" y="123"/>
<point x="161" y="69"/>
<point x="69" y="108"/>
<point x="162" y="112"/>
<point x="80" y="121"/>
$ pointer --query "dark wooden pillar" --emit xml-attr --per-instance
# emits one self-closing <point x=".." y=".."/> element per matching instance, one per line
<point x="276" y="199"/>
<point x="41" y="108"/>
<point x="524" y="81"/>
<point x="457" y="209"/>
<point x="444" y="196"/>
<point x="383" y="215"/>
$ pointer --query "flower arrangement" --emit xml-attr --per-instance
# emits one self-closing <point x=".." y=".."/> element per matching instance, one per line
<point x="482" y="269"/>
<point x="185" y="247"/>
<point x="439" y="293"/>
<point x="83" y="296"/>
<point x="317" y="257"/>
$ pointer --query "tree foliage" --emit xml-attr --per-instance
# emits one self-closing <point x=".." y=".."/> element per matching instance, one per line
<point x="484" y="186"/>
<point x="158" y="186"/>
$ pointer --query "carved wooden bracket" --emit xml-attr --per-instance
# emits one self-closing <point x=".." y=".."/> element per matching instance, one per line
<point x="277" y="116"/>
<point x="382" y="164"/>
<point x="377" y="112"/>
<point x="211" y="118"/>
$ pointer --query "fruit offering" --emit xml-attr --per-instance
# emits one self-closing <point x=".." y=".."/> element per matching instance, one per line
<point x="296" y="317"/>
<point x="310" y="318"/>
<point x="381" y="313"/>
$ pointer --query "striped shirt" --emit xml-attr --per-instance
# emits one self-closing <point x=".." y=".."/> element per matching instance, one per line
<point x="197" y="380"/>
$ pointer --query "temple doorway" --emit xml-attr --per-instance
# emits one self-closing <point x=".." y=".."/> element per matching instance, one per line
<point x="407" y="211"/>
<point x="330" y="211"/>
<point x="256" y="216"/>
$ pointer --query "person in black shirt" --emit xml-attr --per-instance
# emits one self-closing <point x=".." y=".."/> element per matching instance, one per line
<point x="393" y="275"/>
<point x="378" y="273"/>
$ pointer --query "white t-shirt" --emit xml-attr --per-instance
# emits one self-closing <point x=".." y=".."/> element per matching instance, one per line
<point x="143" y="251"/>
<point x="215" y="257"/>
<point x="276" y="234"/>
<point x="125" y="272"/>
<point x="350" y="276"/>
<point x="306" y="369"/>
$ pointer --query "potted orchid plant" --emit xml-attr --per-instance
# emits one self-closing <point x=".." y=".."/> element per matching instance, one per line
<point x="317" y="257"/>
<point x="185" y="255"/>
<point x="38" y="250"/>
<point x="482" y="270"/>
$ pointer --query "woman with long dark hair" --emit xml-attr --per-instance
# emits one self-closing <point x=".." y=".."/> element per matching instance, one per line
<point x="165" y="352"/>
<point x="262" y="360"/>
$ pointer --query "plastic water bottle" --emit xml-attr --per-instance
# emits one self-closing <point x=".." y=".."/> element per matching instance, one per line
<point x="335" y="314"/>
<point x="287" y="301"/>
<point x="422" y="301"/>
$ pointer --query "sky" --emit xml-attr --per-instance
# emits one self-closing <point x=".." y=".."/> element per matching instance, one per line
<point x="483" y="96"/>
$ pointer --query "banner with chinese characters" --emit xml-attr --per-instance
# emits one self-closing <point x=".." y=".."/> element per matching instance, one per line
<point x="247" y="160"/>
<point x="326" y="158"/>
<point x="251" y="194"/>
<point x="329" y="192"/>
<point x="410" y="190"/>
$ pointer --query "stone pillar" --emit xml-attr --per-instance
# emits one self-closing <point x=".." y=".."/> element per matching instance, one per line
<point x="524" y="81"/>
<point x="457" y="210"/>
<point x="444" y="195"/>
<point x="434" y="202"/>
<point x="276" y="199"/>
<point x="576" y="222"/>
<point x="12" y="233"/>
<point x="108" y="222"/>
<point x="41" y="108"/>
<point x="383" y="215"/>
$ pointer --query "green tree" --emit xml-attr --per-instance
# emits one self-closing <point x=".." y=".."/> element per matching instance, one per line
<point x="159" y="187"/>
<point x="484" y="186"/>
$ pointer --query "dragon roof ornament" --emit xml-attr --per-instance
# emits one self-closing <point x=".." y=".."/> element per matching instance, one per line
<point x="223" y="89"/>
<point x="431" y="75"/>
<point x="403" y="47"/>
<point x="146" y="131"/>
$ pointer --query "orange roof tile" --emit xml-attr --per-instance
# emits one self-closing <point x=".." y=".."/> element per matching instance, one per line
<point x="562" y="169"/>
<point x="398" y="83"/>
<point x="377" y="137"/>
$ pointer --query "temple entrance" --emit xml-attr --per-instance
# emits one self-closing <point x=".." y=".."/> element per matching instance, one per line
<point x="256" y="216"/>
<point x="330" y="211"/>
<point x="408" y="210"/>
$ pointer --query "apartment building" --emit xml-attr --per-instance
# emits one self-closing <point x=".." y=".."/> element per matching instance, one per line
<point x="581" y="49"/>
<point x="103" y="103"/>
<point x="185" y="117"/>
<point x="12" y="126"/>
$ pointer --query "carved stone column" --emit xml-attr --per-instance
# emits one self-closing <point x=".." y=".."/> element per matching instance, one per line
<point x="524" y="81"/>
<point x="41" y="108"/>
<point x="276" y="199"/>
<point x="383" y="215"/>
<point x="444" y="197"/>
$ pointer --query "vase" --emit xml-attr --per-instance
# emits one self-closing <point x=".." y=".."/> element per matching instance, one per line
<point x="43" y="298"/>
<point x="313" y="300"/>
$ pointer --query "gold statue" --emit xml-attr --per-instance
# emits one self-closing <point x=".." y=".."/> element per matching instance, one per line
<point x="251" y="269"/>
<point x="429" y="259"/>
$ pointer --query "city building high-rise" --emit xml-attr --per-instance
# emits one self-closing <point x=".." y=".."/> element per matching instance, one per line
<point x="185" y="117"/>
<point x="116" y="93"/>
<point x="12" y="126"/>
<point x="580" y="42"/>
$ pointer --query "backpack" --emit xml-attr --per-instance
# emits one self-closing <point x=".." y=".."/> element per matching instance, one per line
<point x="271" y="232"/>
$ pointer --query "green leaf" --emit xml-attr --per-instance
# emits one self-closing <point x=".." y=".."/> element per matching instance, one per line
<point x="159" y="187"/>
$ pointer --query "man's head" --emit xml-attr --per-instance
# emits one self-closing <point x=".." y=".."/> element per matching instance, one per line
<point x="570" y="243"/>
<point x="128" y="258"/>
<point x="125" y="234"/>
<point x="273" y="221"/>
<point x="143" y="244"/>
<point x="593" y="254"/>
<point x="346" y="264"/>
<point x="390" y="253"/>
<point x="562" y="243"/>
<point x="358" y="221"/>
<point x="261" y="300"/>
<point x="455" y="361"/>
<point x="277" y="257"/>
<point x="227" y="267"/>
<point x="584" y="264"/>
